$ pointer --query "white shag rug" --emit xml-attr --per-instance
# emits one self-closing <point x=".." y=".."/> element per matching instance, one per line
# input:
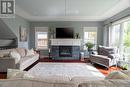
<point x="65" y="69"/>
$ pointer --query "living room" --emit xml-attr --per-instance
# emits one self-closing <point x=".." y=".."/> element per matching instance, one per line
<point x="44" y="42"/>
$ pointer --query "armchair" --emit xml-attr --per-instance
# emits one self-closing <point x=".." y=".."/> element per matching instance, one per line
<point x="107" y="56"/>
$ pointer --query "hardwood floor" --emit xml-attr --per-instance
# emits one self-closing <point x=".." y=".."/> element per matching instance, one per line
<point x="3" y="75"/>
<point x="106" y="71"/>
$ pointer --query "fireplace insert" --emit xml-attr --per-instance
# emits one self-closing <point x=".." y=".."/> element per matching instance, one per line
<point x="65" y="51"/>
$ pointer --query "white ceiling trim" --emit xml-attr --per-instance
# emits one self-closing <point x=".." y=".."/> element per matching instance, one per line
<point x="123" y="4"/>
<point x="26" y="15"/>
<point x="65" y="18"/>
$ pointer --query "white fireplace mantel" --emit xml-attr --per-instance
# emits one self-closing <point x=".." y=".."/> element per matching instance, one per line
<point x="66" y="42"/>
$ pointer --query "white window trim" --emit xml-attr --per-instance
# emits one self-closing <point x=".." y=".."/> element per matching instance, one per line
<point x="40" y="29"/>
<point x="90" y="29"/>
<point x="121" y="20"/>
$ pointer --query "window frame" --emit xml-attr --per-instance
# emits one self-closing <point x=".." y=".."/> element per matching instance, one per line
<point x="89" y="29"/>
<point x="40" y="29"/>
<point x="121" y="46"/>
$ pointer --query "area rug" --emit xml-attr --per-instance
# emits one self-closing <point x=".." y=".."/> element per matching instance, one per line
<point x="65" y="69"/>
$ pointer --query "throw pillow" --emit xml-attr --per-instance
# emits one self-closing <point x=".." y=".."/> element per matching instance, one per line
<point x="117" y="75"/>
<point x="127" y="72"/>
<point x="21" y="51"/>
<point x="15" y="73"/>
<point x="16" y="56"/>
<point x="30" y="52"/>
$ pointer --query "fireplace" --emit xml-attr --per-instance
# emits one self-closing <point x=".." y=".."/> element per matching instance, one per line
<point x="65" y="51"/>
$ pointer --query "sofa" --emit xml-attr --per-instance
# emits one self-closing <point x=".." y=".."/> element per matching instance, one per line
<point x="19" y="78"/>
<point x="17" y="58"/>
<point x="107" y="56"/>
<point x="26" y="82"/>
<point x="106" y="83"/>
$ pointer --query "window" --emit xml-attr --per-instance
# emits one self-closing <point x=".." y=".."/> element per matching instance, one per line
<point x="41" y="38"/>
<point x="90" y="35"/>
<point x="115" y="35"/>
<point x="126" y="40"/>
<point x="120" y="37"/>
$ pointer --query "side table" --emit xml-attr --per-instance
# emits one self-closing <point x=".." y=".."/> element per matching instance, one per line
<point x="82" y="56"/>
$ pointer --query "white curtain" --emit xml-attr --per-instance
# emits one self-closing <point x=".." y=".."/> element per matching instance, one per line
<point x="106" y="35"/>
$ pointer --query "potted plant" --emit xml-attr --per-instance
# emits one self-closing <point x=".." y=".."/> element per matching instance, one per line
<point x="89" y="45"/>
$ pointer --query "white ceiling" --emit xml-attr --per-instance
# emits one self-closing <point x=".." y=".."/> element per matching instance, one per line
<point x="69" y="10"/>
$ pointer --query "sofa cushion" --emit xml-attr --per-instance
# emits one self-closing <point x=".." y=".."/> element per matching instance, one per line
<point x="28" y="58"/>
<point x="16" y="56"/>
<point x="21" y="51"/>
<point x="100" y="83"/>
<point x="81" y="79"/>
<point x="30" y="52"/>
<point x="15" y="73"/>
<point x="27" y="61"/>
<point x="127" y="72"/>
<point x="106" y="83"/>
<point x="117" y="75"/>
<point x="5" y="53"/>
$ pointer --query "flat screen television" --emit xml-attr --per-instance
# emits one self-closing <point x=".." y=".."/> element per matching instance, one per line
<point x="64" y="32"/>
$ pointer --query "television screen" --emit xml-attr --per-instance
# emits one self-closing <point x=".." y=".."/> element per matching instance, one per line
<point x="64" y="32"/>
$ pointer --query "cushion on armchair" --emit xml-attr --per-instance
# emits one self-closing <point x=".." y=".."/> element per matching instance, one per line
<point x="102" y="50"/>
<point x="109" y="50"/>
<point x="113" y="56"/>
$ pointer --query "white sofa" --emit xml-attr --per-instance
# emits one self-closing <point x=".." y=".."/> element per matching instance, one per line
<point x="25" y="60"/>
<point x="26" y="79"/>
<point x="106" y="83"/>
<point x="72" y="83"/>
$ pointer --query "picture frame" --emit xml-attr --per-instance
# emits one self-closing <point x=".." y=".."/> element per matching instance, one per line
<point x="22" y="34"/>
